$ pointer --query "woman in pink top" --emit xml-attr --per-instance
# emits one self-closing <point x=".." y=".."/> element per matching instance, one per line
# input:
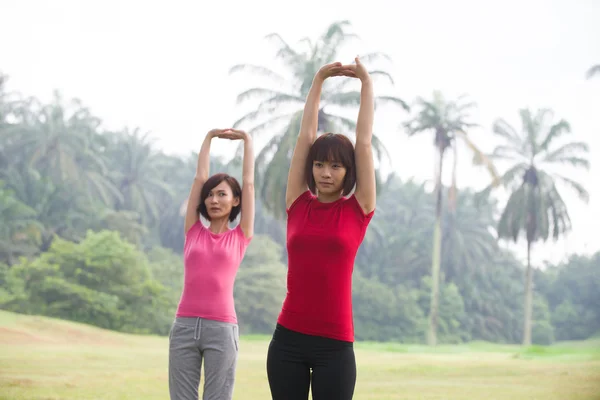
<point x="205" y="327"/>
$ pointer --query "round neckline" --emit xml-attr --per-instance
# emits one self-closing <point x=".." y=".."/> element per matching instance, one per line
<point x="218" y="234"/>
<point x="331" y="203"/>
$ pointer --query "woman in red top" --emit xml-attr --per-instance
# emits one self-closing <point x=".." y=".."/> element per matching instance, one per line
<point x="313" y="340"/>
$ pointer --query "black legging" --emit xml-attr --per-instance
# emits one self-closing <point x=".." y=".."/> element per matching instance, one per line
<point x="293" y="355"/>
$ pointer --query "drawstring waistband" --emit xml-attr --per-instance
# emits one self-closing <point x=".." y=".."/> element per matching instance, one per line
<point x="197" y="329"/>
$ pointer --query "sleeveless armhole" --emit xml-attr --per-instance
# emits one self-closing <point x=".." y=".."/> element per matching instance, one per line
<point x="304" y="197"/>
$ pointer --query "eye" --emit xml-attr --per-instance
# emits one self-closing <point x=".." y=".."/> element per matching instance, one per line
<point x="318" y="164"/>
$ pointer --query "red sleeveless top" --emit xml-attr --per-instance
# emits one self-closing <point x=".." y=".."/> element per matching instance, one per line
<point x="322" y="242"/>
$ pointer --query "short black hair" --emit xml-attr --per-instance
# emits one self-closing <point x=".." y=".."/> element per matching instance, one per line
<point x="210" y="184"/>
<point x="332" y="147"/>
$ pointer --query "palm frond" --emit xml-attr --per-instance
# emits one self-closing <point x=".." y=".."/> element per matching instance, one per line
<point x="392" y="99"/>
<point x="531" y="128"/>
<point x="344" y="99"/>
<point x="336" y="122"/>
<point x="577" y="187"/>
<point x="512" y="219"/>
<point x="269" y="124"/>
<point x="555" y="131"/>
<point x="258" y="92"/>
<point x="593" y="71"/>
<point x="568" y="154"/>
<point x="508" y="153"/>
<point x="272" y="103"/>
<point x="333" y="39"/>
<point x="506" y="131"/>
<point x="284" y="51"/>
<point x="381" y="152"/>
<point x="257" y="70"/>
<point x="383" y="74"/>
<point x="251" y="116"/>
<point x="372" y="57"/>
<point x="267" y="107"/>
<point x="506" y="180"/>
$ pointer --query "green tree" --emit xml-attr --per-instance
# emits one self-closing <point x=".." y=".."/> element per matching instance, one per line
<point x="61" y="139"/>
<point x="281" y="104"/>
<point x="535" y="205"/>
<point x="260" y="286"/>
<point x="137" y="174"/>
<point x="448" y="120"/>
<point x="18" y="227"/>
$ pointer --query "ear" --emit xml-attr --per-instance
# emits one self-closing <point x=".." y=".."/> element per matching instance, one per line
<point x="236" y="202"/>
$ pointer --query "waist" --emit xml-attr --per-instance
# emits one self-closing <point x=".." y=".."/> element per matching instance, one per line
<point x="196" y="321"/>
<point x="217" y="306"/>
<point x="340" y="327"/>
<point x="289" y="336"/>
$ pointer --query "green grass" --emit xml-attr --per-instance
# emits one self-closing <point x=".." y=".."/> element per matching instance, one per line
<point x="47" y="359"/>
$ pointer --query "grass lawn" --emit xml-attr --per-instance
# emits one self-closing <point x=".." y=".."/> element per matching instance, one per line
<point x="47" y="359"/>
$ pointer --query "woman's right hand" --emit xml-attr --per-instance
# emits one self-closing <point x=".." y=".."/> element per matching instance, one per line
<point x="230" y="133"/>
<point x="333" y="69"/>
<point x="213" y="133"/>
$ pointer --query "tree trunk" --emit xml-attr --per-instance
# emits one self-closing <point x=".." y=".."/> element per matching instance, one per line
<point x="528" y="299"/>
<point x="436" y="258"/>
<point x="453" y="192"/>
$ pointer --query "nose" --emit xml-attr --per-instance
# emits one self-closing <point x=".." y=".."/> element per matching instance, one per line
<point x="213" y="199"/>
<point x="325" y="172"/>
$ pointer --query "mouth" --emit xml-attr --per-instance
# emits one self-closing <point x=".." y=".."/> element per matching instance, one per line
<point x="326" y="184"/>
<point x="215" y="209"/>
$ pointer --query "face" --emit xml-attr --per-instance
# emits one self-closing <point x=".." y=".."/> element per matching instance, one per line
<point x="220" y="201"/>
<point x="329" y="176"/>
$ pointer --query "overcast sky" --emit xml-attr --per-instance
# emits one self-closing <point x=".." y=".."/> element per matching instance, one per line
<point x="163" y="66"/>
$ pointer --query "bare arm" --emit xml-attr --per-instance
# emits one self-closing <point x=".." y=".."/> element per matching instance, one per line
<point x="296" y="184"/>
<point x="365" y="169"/>
<point x="202" y="171"/>
<point x="247" y="213"/>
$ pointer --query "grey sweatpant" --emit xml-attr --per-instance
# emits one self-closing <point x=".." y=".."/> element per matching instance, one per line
<point x="195" y="339"/>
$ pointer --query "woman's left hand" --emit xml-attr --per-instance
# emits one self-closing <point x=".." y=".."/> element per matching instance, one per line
<point x="232" y="134"/>
<point x="357" y="70"/>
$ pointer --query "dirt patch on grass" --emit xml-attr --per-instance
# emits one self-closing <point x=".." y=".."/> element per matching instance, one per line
<point x="18" y="337"/>
<point x="41" y="331"/>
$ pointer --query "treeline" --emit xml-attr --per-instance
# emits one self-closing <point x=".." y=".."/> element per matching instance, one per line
<point x="91" y="231"/>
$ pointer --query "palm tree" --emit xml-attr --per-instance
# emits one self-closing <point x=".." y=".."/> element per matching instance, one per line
<point x="281" y="104"/>
<point x="62" y="140"/>
<point x="535" y="205"/>
<point x="466" y="237"/>
<point x="18" y="223"/>
<point x="593" y="71"/>
<point x="138" y="177"/>
<point x="448" y="121"/>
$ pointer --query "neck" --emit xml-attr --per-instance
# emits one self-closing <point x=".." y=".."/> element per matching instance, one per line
<point x="219" y="225"/>
<point x="328" y="197"/>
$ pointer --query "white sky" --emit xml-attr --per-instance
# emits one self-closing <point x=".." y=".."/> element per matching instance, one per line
<point x="163" y="66"/>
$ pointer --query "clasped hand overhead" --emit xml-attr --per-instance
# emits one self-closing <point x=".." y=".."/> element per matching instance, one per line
<point x="356" y="70"/>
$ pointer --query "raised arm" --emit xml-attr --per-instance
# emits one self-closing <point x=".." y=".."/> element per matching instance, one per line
<point x="365" y="169"/>
<point x="202" y="170"/>
<point x="247" y="217"/>
<point x="296" y="184"/>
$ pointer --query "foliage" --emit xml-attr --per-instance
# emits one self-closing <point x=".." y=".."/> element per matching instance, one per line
<point x="91" y="230"/>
